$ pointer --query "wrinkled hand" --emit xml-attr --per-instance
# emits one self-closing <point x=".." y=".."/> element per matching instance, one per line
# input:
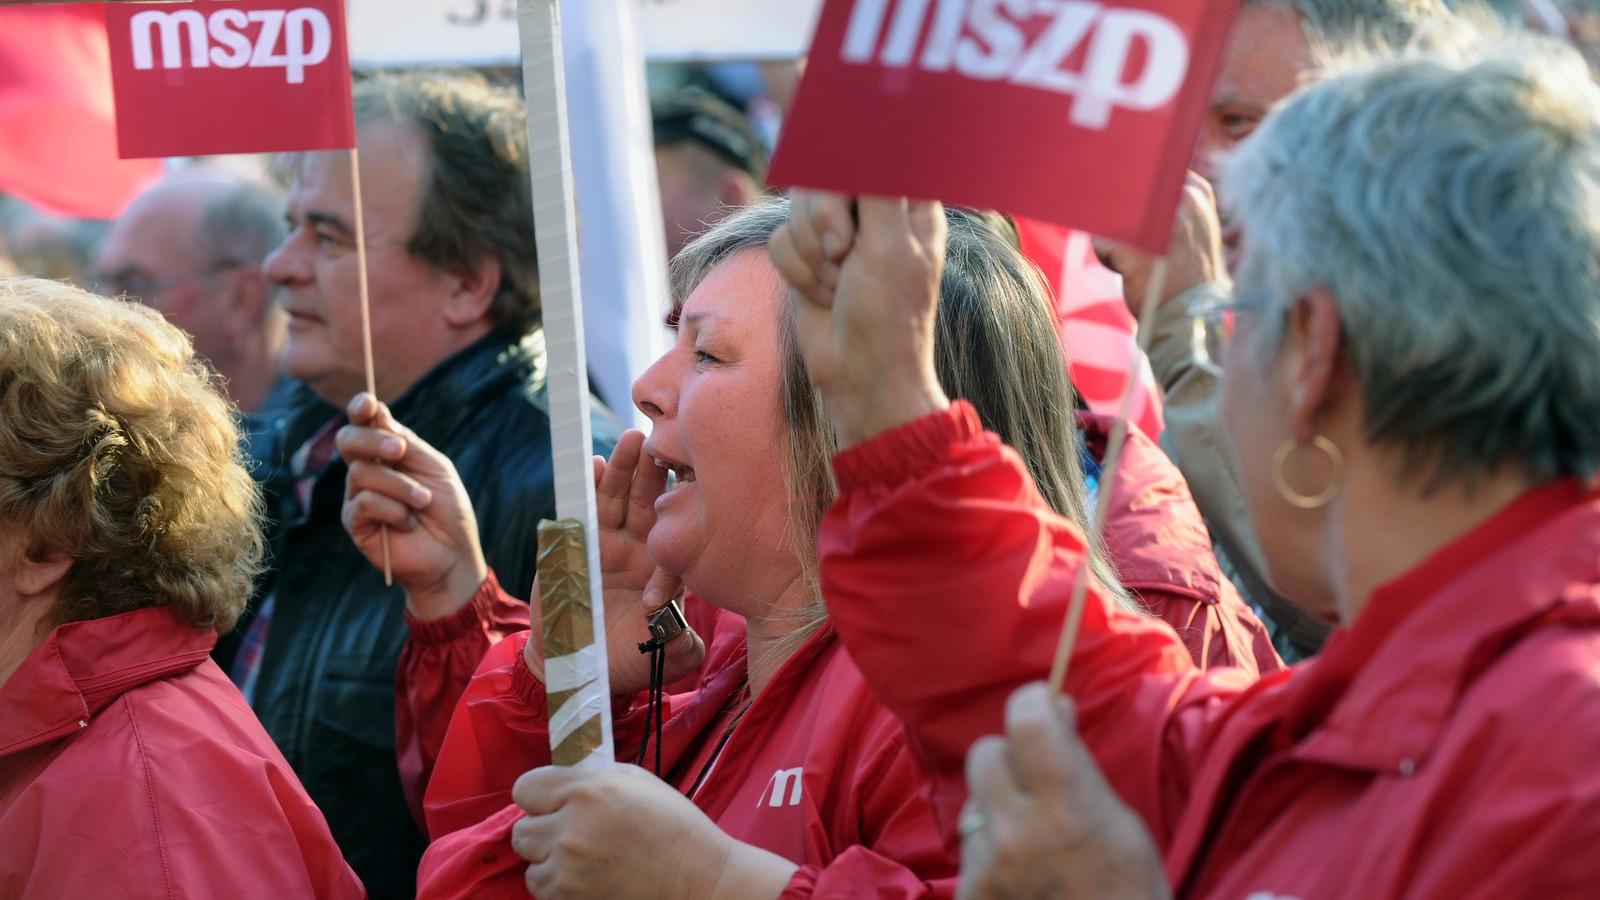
<point x="398" y="480"/>
<point x="868" y="289"/>
<point x="1049" y="824"/>
<point x="626" y="489"/>
<point x="1195" y="256"/>
<point x="620" y="832"/>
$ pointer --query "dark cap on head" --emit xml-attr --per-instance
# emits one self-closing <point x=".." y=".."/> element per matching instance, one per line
<point x="692" y="114"/>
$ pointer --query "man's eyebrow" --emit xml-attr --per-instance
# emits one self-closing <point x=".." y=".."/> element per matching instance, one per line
<point x="330" y="220"/>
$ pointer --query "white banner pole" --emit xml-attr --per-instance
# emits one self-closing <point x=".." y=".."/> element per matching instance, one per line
<point x="585" y="692"/>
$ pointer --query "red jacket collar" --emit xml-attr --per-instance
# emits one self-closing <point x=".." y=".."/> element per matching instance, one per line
<point x="1156" y="537"/>
<point x="83" y="666"/>
<point x="1382" y="689"/>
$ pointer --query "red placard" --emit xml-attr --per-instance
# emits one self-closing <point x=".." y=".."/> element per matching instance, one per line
<point x="233" y="76"/>
<point x="1076" y="112"/>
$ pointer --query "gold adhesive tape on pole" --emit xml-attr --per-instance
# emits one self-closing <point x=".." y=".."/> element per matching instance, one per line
<point x="568" y="629"/>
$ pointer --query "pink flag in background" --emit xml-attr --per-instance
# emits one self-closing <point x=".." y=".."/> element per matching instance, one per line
<point x="58" y="140"/>
<point x="1097" y="333"/>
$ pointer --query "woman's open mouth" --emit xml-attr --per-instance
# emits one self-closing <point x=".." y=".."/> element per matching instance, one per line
<point x="681" y="474"/>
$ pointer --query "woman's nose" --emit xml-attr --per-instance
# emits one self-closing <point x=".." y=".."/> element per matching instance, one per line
<point x="652" y="393"/>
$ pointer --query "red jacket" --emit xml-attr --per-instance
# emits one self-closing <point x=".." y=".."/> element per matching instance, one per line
<point x="1155" y="539"/>
<point x="1160" y="548"/>
<point x="815" y="771"/>
<point x="130" y="766"/>
<point x="439" y="658"/>
<point x="1445" y="745"/>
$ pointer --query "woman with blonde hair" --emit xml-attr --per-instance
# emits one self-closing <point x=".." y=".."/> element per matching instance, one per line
<point x="796" y="782"/>
<point x="129" y="765"/>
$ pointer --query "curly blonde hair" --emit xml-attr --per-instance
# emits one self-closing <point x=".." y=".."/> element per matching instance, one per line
<point x="117" y="449"/>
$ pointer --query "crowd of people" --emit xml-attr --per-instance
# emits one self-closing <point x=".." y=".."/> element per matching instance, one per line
<point x="1342" y="630"/>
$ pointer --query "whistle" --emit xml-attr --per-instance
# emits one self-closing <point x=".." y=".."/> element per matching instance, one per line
<point x="667" y="623"/>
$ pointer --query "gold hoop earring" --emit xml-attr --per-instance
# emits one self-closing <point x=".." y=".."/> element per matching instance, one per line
<point x="1308" y="501"/>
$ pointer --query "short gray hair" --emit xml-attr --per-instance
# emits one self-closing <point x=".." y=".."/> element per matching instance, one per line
<point x="243" y="224"/>
<point x="1336" y="28"/>
<point x="1452" y="206"/>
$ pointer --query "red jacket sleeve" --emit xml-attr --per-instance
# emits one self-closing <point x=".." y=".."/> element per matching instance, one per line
<point x="436" y="663"/>
<point x="947" y="577"/>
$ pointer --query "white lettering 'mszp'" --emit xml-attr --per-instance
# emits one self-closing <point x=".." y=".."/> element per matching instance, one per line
<point x="1103" y="87"/>
<point x="232" y="45"/>
<point x="293" y="40"/>
<point x="984" y="40"/>
<point x="144" y="25"/>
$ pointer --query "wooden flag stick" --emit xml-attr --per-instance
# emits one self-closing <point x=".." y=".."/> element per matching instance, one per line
<point x="1109" y="469"/>
<point x="570" y="596"/>
<point x="366" y="325"/>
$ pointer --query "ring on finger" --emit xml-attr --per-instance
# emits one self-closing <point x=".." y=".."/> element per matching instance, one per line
<point x="972" y="821"/>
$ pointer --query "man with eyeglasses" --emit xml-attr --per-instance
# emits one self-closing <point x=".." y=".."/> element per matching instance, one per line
<point x="191" y="247"/>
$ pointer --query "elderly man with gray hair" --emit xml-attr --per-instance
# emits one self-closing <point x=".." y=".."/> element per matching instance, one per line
<point x="191" y="247"/>
<point x="1410" y="379"/>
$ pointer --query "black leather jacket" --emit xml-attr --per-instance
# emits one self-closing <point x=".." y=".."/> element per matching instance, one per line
<point x="325" y="691"/>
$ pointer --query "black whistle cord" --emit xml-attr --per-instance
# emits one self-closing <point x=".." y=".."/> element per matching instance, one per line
<point x="655" y="708"/>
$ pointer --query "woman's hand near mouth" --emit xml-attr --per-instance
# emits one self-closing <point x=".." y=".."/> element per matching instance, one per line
<point x="626" y="489"/>
<point x="399" y="481"/>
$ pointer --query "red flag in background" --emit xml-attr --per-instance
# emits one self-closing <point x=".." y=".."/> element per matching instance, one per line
<point x="235" y="76"/>
<point x="58" y="148"/>
<point x="1097" y="333"/>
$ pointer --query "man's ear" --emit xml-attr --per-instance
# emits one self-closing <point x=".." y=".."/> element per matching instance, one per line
<point x="1314" y="342"/>
<point x="36" y="577"/>
<point x="249" y="296"/>
<point x="735" y="190"/>
<point x="472" y="293"/>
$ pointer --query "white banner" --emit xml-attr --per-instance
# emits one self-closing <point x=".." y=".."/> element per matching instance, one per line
<point x="621" y="244"/>
<point x="386" y="33"/>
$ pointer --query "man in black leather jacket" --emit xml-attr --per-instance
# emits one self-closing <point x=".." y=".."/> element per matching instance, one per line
<point x="460" y="357"/>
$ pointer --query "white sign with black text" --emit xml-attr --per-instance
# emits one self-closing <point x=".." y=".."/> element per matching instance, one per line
<point x="385" y="33"/>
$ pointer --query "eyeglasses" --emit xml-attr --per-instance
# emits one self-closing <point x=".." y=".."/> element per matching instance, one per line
<point x="136" y="285"/>
<point x="1212" y="322"/>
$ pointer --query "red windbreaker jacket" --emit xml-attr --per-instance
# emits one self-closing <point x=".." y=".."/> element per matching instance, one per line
<point x="131" y="767"/>
<point x="1445" y="745"/>
<point x="1161" y="550"/>
<point x="1157" y="543"/>
<point x="441" y="656"/>
<point x="815" y="771"/>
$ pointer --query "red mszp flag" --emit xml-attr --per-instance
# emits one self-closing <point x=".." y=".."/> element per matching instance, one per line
<point x="233" y="76"/>
<point x="1076" y="112"/>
